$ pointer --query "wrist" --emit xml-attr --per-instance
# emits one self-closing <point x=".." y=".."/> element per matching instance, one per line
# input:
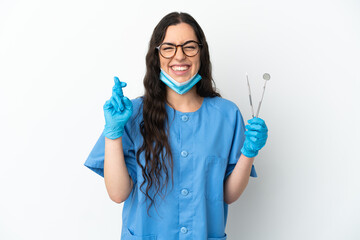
<point x="249" y="153"/>
<point x="112" y="133"/>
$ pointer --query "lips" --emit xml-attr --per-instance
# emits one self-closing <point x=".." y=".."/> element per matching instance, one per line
<point x="180" y="70"/>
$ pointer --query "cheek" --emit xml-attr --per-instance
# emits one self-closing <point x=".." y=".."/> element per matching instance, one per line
<point x="164" y="64"/>
<point x="198" y="64"/>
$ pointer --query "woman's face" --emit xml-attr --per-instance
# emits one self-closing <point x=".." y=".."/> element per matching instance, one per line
<point x="180" y="67"/>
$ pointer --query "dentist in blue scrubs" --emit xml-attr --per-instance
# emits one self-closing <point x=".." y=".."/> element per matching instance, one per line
<point x="179" y="154"/>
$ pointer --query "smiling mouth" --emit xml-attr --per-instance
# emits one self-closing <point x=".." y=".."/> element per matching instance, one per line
<point x="180" y="68"/>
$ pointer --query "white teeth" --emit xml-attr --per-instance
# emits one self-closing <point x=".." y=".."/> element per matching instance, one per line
<point x="178" y="68"/>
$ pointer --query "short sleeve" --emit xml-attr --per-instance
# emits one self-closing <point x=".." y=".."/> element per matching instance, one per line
<point x="237" y="143"/>
<point x="95" y="160"/>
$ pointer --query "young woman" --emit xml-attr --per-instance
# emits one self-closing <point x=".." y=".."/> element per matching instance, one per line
<point x="181" y="131"/>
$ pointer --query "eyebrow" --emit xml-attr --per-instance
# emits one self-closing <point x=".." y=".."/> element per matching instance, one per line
<point x="180" y="44"/>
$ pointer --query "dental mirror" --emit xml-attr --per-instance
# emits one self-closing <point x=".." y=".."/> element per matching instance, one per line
<point x="266" y="77"/>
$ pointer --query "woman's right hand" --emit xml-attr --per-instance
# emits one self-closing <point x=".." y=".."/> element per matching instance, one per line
<point x="117" y="111"/>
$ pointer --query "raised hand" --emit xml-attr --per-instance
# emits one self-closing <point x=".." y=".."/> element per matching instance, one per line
<point x="117" y="111"/>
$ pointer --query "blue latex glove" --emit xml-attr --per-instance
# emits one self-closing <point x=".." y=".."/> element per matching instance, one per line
<point x="256" y="136"/>
<point x="117" y="111"/>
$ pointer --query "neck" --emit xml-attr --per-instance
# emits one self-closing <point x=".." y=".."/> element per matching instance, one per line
<point x="187" y="102"/>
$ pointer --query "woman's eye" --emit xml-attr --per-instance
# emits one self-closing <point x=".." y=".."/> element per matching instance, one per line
<point x="168" y="48"/>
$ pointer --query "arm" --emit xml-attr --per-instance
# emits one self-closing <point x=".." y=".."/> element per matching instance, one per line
<point x="237" y="181"/>
<point x="117" y="179"/>
<point x="256" y="136"/>
<point x="117" y="111"/>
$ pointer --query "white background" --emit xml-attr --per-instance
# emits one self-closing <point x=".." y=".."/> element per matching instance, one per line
<point x="57" y="63"/>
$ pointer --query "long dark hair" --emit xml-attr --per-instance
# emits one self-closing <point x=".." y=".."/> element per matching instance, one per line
<point x="153" y="126"/>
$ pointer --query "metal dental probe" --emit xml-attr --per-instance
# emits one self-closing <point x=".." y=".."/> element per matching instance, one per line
<point x="252" y="108"/>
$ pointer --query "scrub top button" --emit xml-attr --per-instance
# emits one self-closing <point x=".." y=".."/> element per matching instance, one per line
<point x="184" y="192"/>
<point x="184" y="230"/>
<point x="184" y="153"/>
<point x="184" y="118"/>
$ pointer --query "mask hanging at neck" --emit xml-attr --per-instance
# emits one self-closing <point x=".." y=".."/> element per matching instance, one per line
<point x="180" y="88"/>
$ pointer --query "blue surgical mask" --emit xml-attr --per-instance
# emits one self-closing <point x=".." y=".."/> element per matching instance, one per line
<point x="180" y="88"/>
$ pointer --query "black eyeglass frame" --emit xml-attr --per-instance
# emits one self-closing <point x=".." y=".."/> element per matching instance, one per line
<point x="182" y="48"/>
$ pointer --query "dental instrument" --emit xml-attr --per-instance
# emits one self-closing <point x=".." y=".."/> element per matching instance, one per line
<point x="266" y="77"/>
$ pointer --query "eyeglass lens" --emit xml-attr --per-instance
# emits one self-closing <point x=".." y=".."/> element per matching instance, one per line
<point x="168" y="50"/>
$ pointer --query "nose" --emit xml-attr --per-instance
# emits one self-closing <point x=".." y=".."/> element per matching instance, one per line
<point x="179" y="53"/>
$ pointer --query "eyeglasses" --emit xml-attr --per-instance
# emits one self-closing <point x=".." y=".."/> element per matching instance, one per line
<point x="189" y="48"/>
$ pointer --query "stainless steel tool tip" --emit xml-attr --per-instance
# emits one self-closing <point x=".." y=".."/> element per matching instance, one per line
<point x="266" y="76"/>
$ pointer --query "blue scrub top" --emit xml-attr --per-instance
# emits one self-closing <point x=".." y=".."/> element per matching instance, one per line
<point x="205" y="146"/>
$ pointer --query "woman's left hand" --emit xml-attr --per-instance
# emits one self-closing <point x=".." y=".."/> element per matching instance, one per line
<point x="256" y="136"/>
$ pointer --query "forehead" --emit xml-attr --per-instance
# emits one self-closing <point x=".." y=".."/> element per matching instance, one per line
<point x="180" y="33"/>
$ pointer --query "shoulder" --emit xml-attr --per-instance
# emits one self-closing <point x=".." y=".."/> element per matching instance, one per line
<point x="226" y="113"/>
<point x="225" y="109"/>
<point x="132" y="126"/>
<point x="223" y="105"/>
<point x="137" y="102"/>
<point x="136" y="116"/>
<point x="137" y="105"/>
